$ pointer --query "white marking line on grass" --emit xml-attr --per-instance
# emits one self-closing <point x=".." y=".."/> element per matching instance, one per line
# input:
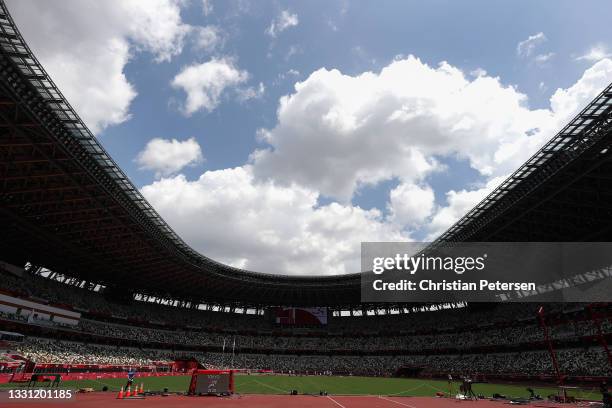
<point x="335" y="402"/>
<point x="408" y="391"/>
<point x="271" y="386"/>
<point x="436" y="388"/>
<point x="247" y="383"/>
<point x="396" y="402"/>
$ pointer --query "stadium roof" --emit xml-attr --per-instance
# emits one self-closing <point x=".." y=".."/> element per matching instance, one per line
<point x="66" y="205"/>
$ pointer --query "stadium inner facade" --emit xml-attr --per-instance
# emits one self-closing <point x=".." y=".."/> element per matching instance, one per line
<point x="78" y="242"/>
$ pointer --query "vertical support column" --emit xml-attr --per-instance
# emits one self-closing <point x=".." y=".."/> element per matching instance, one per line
<point x="600" y="336"/>
<point x="551" y="351"/>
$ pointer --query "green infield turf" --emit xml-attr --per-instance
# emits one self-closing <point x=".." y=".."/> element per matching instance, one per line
<point x="279" y="384"/>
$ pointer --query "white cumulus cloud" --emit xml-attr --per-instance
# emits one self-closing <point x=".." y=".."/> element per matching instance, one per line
<point x="233" y="218"/>
<point x="411" y="204"/>
<point x="337" y="132"/>
<point x="85" y="45"/>
<point x="565" y="103"/>
<point x="166" y="157"/>
<point x="205" y="83"/>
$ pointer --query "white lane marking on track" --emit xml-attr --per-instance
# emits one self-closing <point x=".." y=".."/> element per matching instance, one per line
<point x="336" y="402"/>
<point x="396" y="402"/>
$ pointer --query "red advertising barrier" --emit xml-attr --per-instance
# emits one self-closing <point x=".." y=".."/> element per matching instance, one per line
<point x="5" y="378"/>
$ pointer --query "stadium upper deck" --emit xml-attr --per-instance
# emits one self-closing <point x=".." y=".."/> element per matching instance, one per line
<point x="65" y="205"/>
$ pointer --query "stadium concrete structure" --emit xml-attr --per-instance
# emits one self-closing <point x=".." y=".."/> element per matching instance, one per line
<point x="67" y="207"/>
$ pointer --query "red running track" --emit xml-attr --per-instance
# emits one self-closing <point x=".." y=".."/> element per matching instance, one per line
<point x="108" y="400"/>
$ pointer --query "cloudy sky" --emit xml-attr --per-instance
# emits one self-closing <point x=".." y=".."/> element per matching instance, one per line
<point x="276" y="136"/>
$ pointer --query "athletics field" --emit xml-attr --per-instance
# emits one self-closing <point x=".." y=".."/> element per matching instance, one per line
<point x="280" y="384"/>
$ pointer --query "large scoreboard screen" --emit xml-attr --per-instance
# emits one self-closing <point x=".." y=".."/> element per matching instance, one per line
<point x="204" y="382"/>
<point x="300" y="316"/>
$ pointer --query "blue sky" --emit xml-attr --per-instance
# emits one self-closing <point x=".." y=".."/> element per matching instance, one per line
<point x="352" y="157"/>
